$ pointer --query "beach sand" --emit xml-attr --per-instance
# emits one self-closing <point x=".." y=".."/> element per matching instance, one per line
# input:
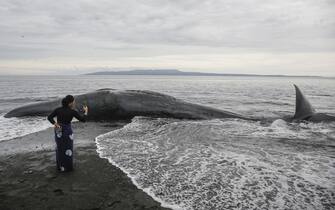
<point x="29" y="180"/>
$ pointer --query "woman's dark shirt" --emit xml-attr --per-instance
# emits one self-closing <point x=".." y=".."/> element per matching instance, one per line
<point x="65" y="115"/>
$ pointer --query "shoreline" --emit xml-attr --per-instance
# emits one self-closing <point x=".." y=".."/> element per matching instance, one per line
<point x="163" y="204"/>
<point x="29" y="179"/>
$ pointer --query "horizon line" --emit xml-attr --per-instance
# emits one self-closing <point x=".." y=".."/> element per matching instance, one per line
<point x="182" y="73"/>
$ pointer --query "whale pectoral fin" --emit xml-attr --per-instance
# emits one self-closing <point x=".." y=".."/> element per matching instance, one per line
<point x="303" y="108"/>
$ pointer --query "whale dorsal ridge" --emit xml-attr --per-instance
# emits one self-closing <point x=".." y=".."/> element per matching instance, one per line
<point x="303" y="109"/>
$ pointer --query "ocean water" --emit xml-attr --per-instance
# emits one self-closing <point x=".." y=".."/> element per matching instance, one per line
<point x="207" y="164"/>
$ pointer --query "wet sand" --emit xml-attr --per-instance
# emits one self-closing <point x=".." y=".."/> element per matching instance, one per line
<point x="29" y="180"/>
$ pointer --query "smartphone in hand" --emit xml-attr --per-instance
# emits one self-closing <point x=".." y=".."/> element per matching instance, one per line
<point x="81" y="108"/>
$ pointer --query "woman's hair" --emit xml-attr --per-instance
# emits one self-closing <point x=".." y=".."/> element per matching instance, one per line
<point x="67" y="100"/>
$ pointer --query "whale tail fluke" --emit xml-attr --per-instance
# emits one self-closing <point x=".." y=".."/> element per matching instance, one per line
<point x="303" y="108"/>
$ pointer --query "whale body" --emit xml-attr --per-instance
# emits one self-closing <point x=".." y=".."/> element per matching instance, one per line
<point x="111" y="104"/>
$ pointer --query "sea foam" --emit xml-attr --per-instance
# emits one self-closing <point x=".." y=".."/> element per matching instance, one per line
<point x="229" y="163"/>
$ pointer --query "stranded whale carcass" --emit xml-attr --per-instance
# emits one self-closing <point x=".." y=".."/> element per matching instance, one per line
<point x="110" y="104"/>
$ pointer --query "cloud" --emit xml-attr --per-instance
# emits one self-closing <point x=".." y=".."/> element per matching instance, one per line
<point x="67" y="32"/>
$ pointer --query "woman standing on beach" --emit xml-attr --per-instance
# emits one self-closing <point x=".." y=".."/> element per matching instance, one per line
<point x="63" y="131"/>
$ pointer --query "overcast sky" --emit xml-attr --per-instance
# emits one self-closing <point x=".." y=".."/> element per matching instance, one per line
<point x="295" y="37"/>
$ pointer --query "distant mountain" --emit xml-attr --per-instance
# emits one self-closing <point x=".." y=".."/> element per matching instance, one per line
<point x="175" y="72"/>
<point x="141" y="72"/>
